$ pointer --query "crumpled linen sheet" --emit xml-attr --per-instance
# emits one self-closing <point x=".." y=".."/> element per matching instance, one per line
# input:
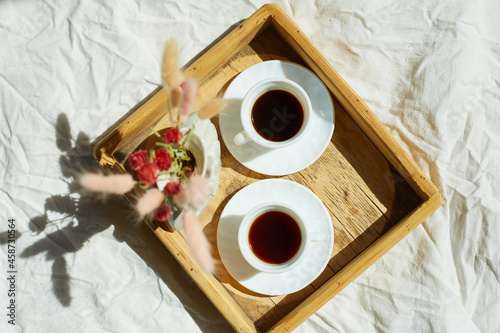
<point x="430" y="70"/>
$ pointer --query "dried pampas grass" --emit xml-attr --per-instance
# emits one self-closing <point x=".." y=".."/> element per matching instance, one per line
<point x="114" y="184"/>
<point x="197" y="241"/>
<point x="212" y="108"/>
<point x="170" y="76"/>
<point x="196" y="191"/>
<point x="188" y="97"/>
<point x="193" y="194"/>
<point x="175" y="97"/>
<point x="151" y="200"/>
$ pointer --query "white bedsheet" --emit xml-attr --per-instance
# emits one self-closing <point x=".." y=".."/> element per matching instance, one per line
<point x="430" y="70"/>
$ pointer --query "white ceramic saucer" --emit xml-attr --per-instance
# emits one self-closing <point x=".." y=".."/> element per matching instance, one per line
<point x="282" y="161"/>
<point x="265" y="191"/>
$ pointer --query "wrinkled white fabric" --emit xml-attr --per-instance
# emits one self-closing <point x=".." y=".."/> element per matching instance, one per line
<point x="430" y="70"/>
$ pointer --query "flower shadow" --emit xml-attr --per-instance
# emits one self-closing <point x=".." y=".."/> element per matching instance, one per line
<point x="82" y="215"/>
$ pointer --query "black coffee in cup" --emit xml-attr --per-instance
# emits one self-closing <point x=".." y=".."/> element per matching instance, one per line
<point x="274" y="237"/>
<point x="277" y="115"/>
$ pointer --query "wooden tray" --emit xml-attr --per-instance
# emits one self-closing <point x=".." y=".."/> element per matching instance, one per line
<point x="374" y="192"/>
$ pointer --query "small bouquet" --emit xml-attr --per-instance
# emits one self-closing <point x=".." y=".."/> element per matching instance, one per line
<point x="168" y="163"/>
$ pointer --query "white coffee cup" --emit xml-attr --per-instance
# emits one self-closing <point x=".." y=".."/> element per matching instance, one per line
<point x="245" y="246"/>
<point x="280" y="118"/>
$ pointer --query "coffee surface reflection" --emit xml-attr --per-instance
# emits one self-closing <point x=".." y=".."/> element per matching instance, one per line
<point x="277" y="115"/>
<point x="274" y="237"/>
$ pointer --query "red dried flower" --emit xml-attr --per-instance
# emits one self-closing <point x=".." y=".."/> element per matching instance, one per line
<point x="137" y="159"/>
<point x="189" y="171"/>
<point x="148" y="173"/>
<point x="162" y="213"/>
<point x="172" y="188"/>
<point x="181" y="86"/>
<point x="163" y="159"/>
<point x="172" y="135"/>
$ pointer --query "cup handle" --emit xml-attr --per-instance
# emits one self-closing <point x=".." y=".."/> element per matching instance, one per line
<point x="318" y="237"/>
<point x="241" y="138"/>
